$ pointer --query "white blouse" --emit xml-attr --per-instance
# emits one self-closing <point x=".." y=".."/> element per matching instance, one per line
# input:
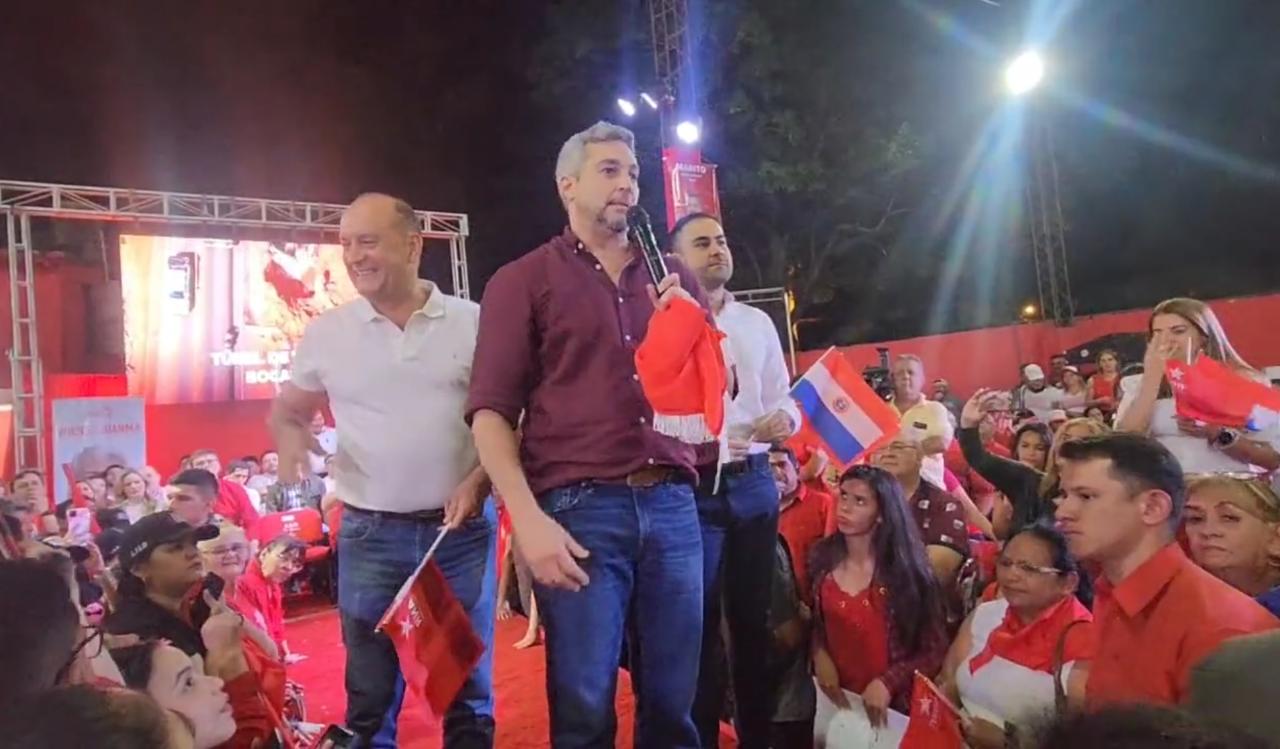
<point x="1003" y="690"/>
<point x="1193" y="453"/>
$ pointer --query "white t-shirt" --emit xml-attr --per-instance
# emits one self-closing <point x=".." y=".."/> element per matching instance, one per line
<point x="1003" y="690"/>
<point x="1043" y="402"/>
<point x="1194" y="454"/>
<point x="397" y="397"/>
<point x="763" y="383"/>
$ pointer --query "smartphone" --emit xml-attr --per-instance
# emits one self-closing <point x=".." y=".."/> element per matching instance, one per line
<point x="335" y="737"/>
<point x="78" y="524"/>
<point x="199" y="610"/>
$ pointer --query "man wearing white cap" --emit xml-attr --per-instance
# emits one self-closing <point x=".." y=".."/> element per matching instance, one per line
<point x="1036" y="395"/>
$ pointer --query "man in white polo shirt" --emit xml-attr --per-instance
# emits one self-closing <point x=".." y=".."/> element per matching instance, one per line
<point x="395" y="365"/>
<point x="739" y="517"/>
<point x="926" y="418"/>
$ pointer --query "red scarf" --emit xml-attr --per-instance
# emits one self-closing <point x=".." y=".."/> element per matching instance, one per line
<point x="1033" y="645"/>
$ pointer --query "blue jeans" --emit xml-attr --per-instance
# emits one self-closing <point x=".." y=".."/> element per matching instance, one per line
<point x="645" y="563"/>
<point x="739" y="546"/>
<point x="376" y="554"/>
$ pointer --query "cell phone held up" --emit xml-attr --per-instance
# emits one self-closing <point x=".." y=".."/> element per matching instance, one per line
<point x="335" y="737"/>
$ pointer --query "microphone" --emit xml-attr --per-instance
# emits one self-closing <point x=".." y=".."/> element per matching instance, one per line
<point x="640" y="233"/>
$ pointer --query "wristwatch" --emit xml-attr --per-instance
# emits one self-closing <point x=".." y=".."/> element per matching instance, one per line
<point x="1224" y="439"/>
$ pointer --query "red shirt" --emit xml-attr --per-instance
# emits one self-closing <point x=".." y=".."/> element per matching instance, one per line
<point x="234" y="505"/>
<point x="262" y="601"/>
<point x="802" y="523"/>
<point x="856" y="633"/>
<point x="558" y="341"/>
<point x="1158" y="623"/>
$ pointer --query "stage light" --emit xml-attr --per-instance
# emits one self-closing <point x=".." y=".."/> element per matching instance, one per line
<point x="1024" y="73"/>
<point x="1030" y="311"/>
<point x="688" y="132"/>
<point x="647" y="99"/>
<point x="627" y="106"/>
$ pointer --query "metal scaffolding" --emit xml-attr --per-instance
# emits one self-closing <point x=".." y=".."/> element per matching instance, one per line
<point x="1048" y="230"/>
<point x="20" y="201"/>
<point x="759" y="297"/>
<point x="667" y="18"/>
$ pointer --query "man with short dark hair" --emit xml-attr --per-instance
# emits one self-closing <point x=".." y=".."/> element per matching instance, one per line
<point x="737" y="501"/>
<point x="1057" y="369"/>
<point x="1157" y="613"/>
<point x="232" y="501"/>
<point x="195" y="491"/>
<point x="266" y="476"/>
<point x="806" y="514"/>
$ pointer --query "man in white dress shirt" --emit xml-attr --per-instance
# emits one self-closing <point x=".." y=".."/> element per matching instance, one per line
<point x="740" y="519"/>
<point x="395" y="365"/>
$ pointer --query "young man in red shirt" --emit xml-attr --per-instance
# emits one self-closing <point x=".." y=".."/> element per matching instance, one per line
<point x="232" y="502"/>
<point x="260" y="589"/>
<point x="805" y="516"/>
<point x="1157" y="613"/>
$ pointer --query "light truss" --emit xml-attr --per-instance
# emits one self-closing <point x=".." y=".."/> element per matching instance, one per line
<point x="20" y="201"/>
<point x="759" y="297"/>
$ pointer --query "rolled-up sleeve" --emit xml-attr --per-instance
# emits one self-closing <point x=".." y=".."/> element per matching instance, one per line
<point x="501" y="373"/>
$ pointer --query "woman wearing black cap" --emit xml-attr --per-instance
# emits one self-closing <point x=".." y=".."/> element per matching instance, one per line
<point x="159" y="568"/>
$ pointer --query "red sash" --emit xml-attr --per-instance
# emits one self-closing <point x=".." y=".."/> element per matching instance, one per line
<point x="1033" y="645"/>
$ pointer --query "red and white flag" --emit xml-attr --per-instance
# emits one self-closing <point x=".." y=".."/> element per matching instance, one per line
<point x="935" y="722"/>
<point x="432" y="634"/>
<point x="1211" y="392"/>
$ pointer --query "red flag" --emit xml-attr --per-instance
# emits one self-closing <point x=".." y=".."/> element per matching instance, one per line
<point x="433" y="637"/>
<point x="934" y="723"/>
<point x="1210" y="392"/>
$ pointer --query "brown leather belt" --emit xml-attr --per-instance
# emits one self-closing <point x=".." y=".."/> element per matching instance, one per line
<point x="647" y="477"/>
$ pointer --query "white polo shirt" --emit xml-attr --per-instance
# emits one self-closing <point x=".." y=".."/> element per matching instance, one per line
<point x="764" y="385"/>
<point x="397" y="398"/>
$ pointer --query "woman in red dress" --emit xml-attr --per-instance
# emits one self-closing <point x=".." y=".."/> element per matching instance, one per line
<point x="879" y="607"/>
<point x="1102" y="385"/>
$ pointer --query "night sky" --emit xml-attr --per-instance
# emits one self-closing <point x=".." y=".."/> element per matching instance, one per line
<point x="1168" y="128"/>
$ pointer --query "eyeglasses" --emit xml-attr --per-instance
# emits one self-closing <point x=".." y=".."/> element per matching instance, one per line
<point x="90" y="647"/>
<point x="1026" y="568"/>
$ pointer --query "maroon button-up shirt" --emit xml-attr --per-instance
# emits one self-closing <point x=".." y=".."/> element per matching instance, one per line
<point x="557" y="341"/>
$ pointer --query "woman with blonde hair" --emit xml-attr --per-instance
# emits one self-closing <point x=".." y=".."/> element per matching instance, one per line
<point x="132" y="497"/>
<point x="1182" y="329"/>
<point x="1233" y="529"/>
<point x="1030" y="491"/>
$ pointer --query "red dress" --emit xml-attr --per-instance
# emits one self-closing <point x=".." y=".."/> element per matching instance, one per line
<point x="856" y="633"/>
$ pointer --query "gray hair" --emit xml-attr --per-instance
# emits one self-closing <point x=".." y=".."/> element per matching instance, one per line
<point x="574" y="151"/>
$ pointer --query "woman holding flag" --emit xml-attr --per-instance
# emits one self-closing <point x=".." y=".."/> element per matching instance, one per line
<point x="1180" y="330"/>
<point x="878" y="608"/>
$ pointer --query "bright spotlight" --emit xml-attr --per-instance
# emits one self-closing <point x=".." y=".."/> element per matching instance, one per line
<point x="627" y="106"/>
<point x="688" y="132"/>
<point x="1030" y="311"/>
<point x="1024" y="73"/>
<point x="647" y="99"/>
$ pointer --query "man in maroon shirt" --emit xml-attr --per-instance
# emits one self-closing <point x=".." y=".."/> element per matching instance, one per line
<point x="601" y="504"/>
<point x="233" y="501"/>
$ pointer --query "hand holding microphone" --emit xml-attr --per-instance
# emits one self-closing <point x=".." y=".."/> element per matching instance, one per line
<point x="666" y="285"/>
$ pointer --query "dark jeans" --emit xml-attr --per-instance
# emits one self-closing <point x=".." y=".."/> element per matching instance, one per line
<point x="739" y="533"/>
<point x="377" y="554"/>
<point x="645" y="561"/>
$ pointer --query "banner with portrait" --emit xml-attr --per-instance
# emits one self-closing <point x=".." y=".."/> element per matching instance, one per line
<point x="91" y="434"/>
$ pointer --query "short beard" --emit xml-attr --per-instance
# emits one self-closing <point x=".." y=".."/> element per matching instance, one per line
<point x="617" y="227"/>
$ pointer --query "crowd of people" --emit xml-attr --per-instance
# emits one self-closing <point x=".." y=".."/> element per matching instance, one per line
<point x="152" y="610"/>
<point x="1069" y="560"/>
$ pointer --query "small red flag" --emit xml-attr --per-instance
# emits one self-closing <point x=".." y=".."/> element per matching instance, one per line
<point x="1210" y="392"/>
<point x="934" y="723"/>
<point x="433" y="636"/>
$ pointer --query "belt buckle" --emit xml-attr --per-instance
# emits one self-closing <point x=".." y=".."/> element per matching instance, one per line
<point x="644" y="478"/>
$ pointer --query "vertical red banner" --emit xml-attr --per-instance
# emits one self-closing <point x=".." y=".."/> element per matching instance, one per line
<point x="689" y="185"/>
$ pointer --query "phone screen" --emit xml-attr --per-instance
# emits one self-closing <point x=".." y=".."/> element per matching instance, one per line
<point x="78" y="527"/>
<point x="335" y="737"/>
